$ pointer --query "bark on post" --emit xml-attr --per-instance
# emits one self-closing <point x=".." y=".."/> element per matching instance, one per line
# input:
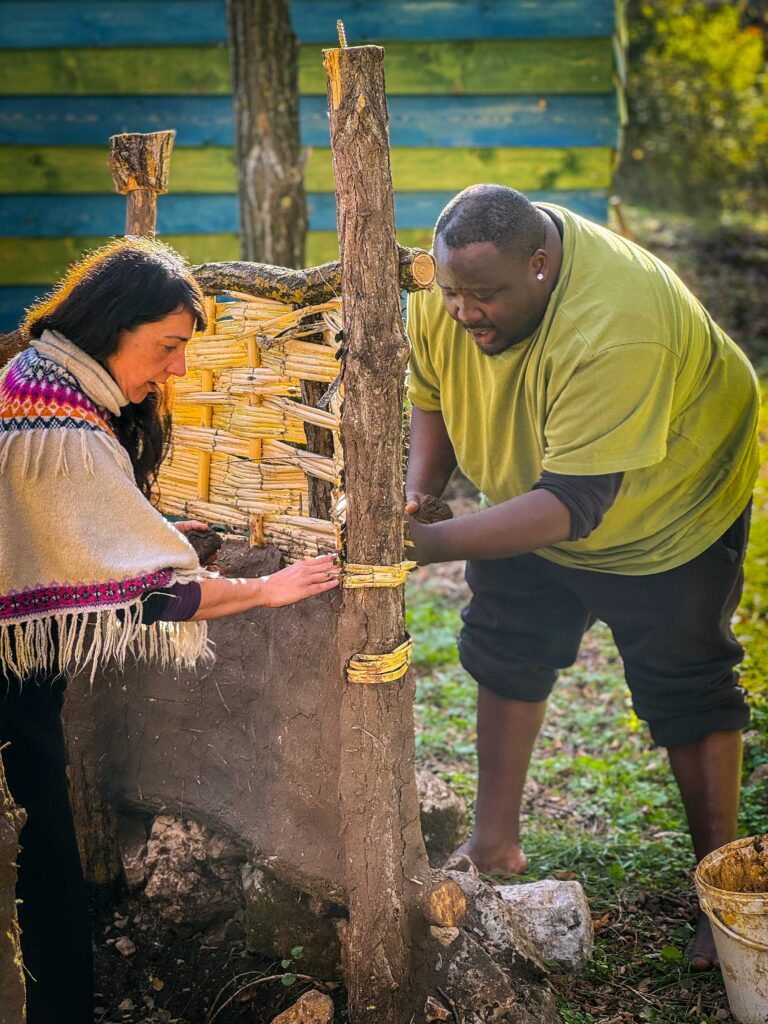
<point x="386" y="863"/>
<point x="139" y="165"/>
<point x="264" y="55"/>
<point x="12" y="820"/>
<point x="11" y="344"/>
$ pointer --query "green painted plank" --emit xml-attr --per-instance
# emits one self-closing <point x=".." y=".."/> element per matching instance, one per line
<point x="41" y="261"/>
<point x="84" y="169"/>
<point x="484" y="66"/>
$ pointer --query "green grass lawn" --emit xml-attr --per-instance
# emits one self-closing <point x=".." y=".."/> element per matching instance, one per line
<point x="601" y="804"/>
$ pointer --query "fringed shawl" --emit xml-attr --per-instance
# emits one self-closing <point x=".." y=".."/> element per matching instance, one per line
<point x="80" y="546"/>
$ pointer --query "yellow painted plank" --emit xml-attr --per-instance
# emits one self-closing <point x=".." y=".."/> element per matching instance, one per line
<point x="83" y="169"/>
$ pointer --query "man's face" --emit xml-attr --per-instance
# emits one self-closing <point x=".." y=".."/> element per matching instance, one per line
<point x="493" y="294"/>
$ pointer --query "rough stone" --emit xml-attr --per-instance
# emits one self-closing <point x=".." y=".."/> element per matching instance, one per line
<point x="193" y="875"/>
<point x="433" y="1010"/>
<point x="445" y="936"/>
<point x="125" y="946"/>
<point x="556" y="918"/>
<point x="278" y="917"/>
<point x="312" y="1008"/>
<point x="443" y="816"/>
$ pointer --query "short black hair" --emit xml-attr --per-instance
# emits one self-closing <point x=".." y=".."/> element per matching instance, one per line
<point x="492" y="213"/>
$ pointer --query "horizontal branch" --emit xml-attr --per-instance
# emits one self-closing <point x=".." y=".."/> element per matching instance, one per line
<point x="304" y="287"/>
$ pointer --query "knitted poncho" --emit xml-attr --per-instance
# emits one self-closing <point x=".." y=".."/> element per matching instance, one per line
<point x="79" y="543"/>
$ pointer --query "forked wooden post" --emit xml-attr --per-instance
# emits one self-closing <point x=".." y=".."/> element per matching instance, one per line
<point x="386" y="864"/>
<point x="139" y="165"/>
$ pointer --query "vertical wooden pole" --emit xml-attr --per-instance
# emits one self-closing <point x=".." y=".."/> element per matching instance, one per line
<point x="139" y="165"/>
<point x="206" y="416"/>
<point x="11" y="973"/>
<point x="385" y="858"/>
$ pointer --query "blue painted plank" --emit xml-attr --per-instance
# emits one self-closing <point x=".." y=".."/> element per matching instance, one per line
<point x="43" y="23"/>
<point x="45" y="216"/>
<point x="13" y="302"/>
<point x="414" y="120"/>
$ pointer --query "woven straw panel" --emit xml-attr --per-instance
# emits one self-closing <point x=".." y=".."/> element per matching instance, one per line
<point x="238" y="457"/>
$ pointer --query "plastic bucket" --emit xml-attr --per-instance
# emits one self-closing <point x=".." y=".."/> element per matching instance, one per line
<point x="732" y="884"/>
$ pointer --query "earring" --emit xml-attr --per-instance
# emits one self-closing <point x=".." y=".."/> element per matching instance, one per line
<point x="539" y="277"/>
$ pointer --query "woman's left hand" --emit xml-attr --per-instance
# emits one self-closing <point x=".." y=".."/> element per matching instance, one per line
<point x="190" y="524"/>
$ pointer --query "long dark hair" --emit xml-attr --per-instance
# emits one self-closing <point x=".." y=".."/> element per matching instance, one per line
<point x="127" y="283"/>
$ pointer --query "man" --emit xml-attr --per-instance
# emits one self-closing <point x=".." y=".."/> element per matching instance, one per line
<point x="611" y="425"/>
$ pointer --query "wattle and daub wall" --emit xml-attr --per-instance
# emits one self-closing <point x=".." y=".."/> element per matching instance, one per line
<point x="524" y="92"/>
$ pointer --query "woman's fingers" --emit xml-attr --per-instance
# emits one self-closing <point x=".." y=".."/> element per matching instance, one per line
<point x="190" y="524"/>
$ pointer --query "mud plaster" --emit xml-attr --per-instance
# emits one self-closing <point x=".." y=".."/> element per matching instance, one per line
<point x="248" y="747"/>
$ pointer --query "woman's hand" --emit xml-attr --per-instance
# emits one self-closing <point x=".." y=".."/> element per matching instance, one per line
<point x="222" y="596"/>
<point x="190" y="524"/>
<point x="300" y="580"/>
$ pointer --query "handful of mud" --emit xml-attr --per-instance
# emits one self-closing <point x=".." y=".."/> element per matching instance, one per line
<point x="207" y="544"/>
<point x="433" y="510"/>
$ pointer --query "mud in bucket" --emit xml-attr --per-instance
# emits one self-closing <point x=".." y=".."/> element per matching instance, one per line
<point x="732" y="884"/>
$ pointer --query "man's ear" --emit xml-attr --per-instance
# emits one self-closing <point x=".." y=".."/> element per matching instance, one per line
<point x="540" y="264"/>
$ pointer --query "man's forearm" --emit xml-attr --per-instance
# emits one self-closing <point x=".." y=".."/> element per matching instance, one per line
<point x="531" y="521"/>
<point x="431" y="460"/>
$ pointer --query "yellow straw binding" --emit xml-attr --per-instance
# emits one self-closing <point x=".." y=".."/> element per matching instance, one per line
<point x="376" y="575"/>
<point x="372" y="669"/>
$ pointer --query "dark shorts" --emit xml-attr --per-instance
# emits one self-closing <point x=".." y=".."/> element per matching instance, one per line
<point x="527" y="617"/>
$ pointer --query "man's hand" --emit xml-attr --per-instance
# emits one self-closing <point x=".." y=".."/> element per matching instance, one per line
<point x="413" y="500"/>
<point x="418" y="534"/>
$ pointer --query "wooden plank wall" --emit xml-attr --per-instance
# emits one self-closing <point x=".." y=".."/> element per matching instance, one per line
<point x="525" y="92"/>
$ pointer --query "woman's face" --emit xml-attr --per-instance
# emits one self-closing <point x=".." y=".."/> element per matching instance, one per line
<point x="147" y="356"/>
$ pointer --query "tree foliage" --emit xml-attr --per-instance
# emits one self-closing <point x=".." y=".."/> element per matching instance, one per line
<point x="697" y="91"/>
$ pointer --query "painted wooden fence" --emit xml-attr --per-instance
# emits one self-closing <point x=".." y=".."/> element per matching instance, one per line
<point x="524" y="92"/>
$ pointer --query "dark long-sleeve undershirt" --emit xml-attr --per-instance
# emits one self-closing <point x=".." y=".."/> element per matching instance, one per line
<point x="587" y="498"/>
<point x="176" y="603"/>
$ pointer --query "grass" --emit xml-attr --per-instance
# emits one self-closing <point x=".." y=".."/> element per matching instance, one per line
<point x="601" y="804"/>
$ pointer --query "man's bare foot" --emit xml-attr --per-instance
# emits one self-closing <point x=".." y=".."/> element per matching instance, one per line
<point x="501" y="861"/>
<point x="701" y="950"/>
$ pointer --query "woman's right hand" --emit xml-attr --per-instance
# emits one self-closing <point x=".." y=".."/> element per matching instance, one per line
<point x="302" y="579"/>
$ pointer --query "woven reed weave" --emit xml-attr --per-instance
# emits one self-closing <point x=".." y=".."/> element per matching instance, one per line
<point x="238" y="457"/>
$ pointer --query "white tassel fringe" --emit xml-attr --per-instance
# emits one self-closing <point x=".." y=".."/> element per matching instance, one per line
<point x="87" y="639"/>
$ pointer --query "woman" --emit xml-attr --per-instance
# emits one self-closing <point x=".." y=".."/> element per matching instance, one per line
<point x="90" y="571"/>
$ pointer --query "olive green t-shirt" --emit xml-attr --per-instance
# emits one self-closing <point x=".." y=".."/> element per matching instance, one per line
<point x="627" y="372"/>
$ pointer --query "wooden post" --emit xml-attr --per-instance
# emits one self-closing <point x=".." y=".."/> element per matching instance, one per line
<point x="12" y="820"/>
<point x="386" y="864"/>
<point x="416" y="269"/>
<point x="265" y="60"/>
<point x="139" y="165"/>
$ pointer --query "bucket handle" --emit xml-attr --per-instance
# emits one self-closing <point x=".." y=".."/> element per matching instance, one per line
<point x="712" y="914"/>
